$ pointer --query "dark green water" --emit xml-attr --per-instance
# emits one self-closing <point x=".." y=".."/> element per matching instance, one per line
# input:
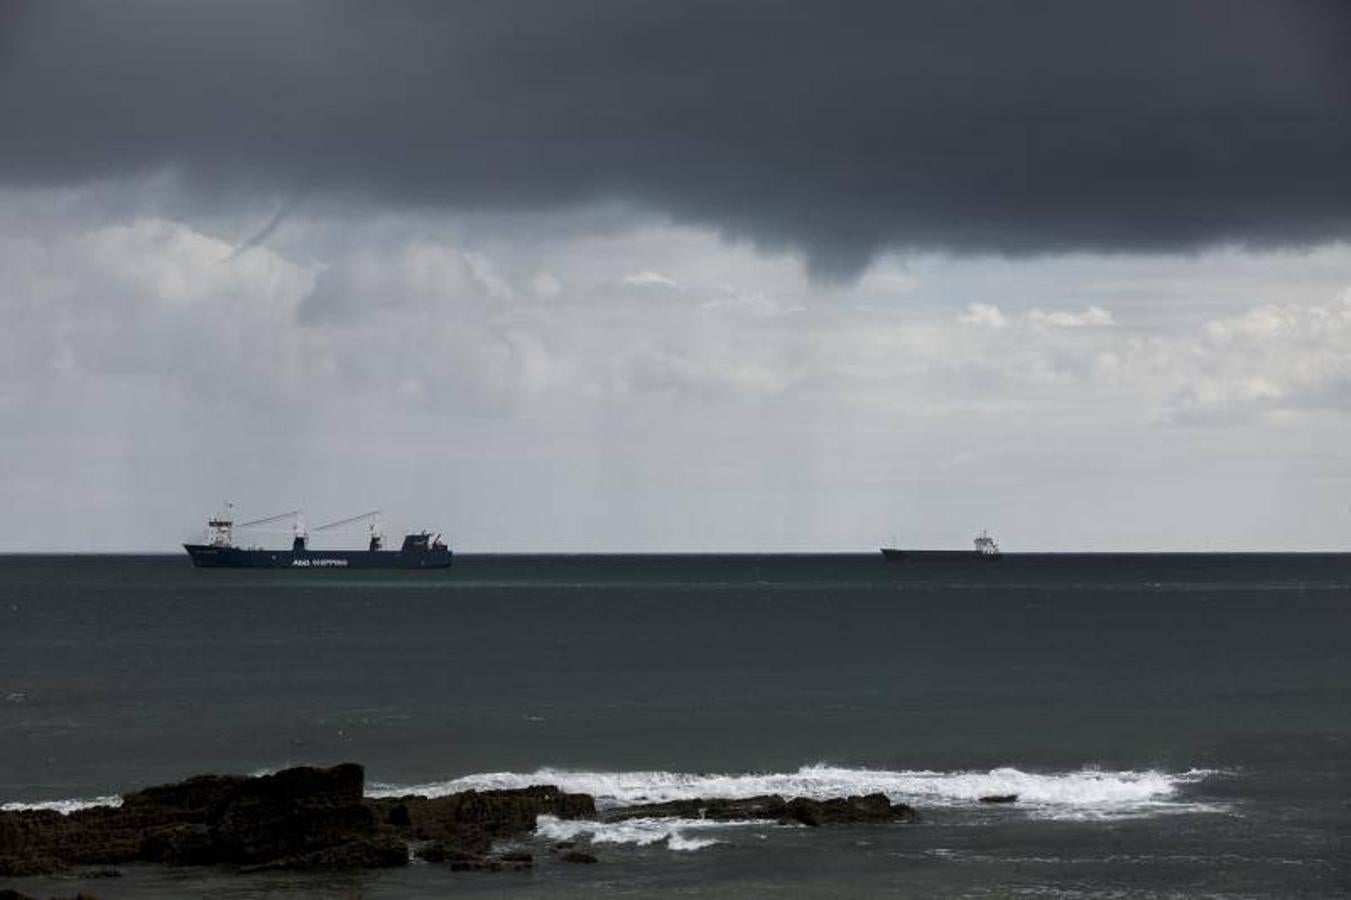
<point x="1176" y="726"/>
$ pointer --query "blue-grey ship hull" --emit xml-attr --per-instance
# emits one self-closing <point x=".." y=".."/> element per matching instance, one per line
<point x="893" y="554"/>
<point x="209" y="557"/>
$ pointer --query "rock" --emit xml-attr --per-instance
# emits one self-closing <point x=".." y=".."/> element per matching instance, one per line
<point x="768" y="806"/>
<point x="291" y="814"/>
<point x="461" y="860"/>
<point x="180" y="845"/>
<point x="577" y="856"/>
<point x="198" y="795"/>
<point x="318" y="818"/>
<point x="28" y="865"/>
<point x="384" y="851"/>
<point x="491" y="812"/>
<point x="11" y="894"/>
<point x="999" y="798"/>
<point x="872" y="808"/>
<point x="462" y="827"/>
<point x="295" y="814"/>
<point x="477" y="864"/>
<point x="450" y="852"/>
<point x="868" y="809"/>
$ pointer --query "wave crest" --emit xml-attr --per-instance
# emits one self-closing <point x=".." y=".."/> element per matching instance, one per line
<point x="677" y="834"/>
<point x="65" y="807"/>
<point x="1082" y="793"/>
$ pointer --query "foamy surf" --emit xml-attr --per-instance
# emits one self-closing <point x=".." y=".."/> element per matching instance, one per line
<point x="65" y="807"/>
<point x="1086" y="793"/>
<point x="677" y="834"/>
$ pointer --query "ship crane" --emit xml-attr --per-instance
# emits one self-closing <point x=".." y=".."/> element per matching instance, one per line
<point x="270" y="519"/>
<point x="377" y="535"/>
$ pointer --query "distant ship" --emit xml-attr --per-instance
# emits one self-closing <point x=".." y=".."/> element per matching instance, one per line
<point x="985" y="549"/>
<point x="420" y="550"/>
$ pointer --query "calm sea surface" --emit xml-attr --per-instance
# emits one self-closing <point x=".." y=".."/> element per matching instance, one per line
<point x="1175" y="726"/>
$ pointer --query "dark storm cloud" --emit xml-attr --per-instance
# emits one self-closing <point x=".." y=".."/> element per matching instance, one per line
<point x="838" y="128"/>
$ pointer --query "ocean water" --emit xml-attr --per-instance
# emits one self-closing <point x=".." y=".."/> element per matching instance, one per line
<point x="1174" y="726"/>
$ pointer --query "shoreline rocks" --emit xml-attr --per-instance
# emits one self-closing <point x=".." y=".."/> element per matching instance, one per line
<point x="301" y="818"/>
<point x="865" y="809"/>
<point x="319" y="818"/>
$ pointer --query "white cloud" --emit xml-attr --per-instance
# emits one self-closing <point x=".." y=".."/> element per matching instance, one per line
<point x="648" y="278"/>
<point x="750" y="407"/>
<point x="546" y="285"/>
<point x="983" y="315"/>
<point x="485" y="273"/>
<point x="1269" y="359"/>
<point x="1093" y="316"/>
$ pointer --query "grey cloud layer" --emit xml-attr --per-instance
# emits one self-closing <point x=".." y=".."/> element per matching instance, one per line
<point x="836" y="129"/>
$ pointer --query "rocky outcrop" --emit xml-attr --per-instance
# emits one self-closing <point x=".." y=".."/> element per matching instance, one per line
<point x="381" y="851"/>
<point x="472" y="816"/>
<point x="318" y="818"/>
<point x="461" y="828"/>
<point x="292" y="814"/>
<point x="868" y="809"/>
<point x="767" y="806"/>
<point x="858" y="810"/>
<point x="577" y="856"/>
<point x="302" y="818"/>
<point x="299" y="814"/>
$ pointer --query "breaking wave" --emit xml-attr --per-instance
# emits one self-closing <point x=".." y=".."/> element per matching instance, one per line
<point x="677" y="834"/>
<point x="65" y="807"/>
<point x="1086" y="793"/>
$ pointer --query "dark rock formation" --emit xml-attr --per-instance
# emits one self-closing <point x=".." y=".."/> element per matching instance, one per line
<point x="768" y="806"/>
<point x="304" y="816"/>
<point x="873" y="808"/>
<point x="868" y="809"/>
<point x="462" y="827"/>
<point x="318" y="818"/>
<point x="381" y="851"/>
<point x="577" y="856"/>
<point x="293" y="814"/>
<point x="301" y="818"/>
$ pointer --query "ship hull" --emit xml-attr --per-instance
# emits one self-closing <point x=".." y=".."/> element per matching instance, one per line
<point x="892" y="554"/>
<point x="207" y="557"/>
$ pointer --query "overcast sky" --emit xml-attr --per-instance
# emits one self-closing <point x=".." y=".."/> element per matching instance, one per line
<point x="679" y="276"/>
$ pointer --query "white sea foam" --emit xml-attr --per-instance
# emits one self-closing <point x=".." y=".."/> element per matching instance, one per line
<point x="677" y="834"/>
<point x="65" y="807"/>
<point x="1082" y="794"/>
<point x="1086" y="793"/>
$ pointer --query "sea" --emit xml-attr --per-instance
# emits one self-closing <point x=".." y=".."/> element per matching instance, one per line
<point x="1173" y="725"/>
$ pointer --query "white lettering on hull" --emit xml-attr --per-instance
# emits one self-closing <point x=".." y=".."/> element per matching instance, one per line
<point x="318" y="563"/>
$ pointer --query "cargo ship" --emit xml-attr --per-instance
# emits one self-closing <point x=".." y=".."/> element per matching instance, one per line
<point x="420" y="549"/>
<point x="985" y="550"/>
